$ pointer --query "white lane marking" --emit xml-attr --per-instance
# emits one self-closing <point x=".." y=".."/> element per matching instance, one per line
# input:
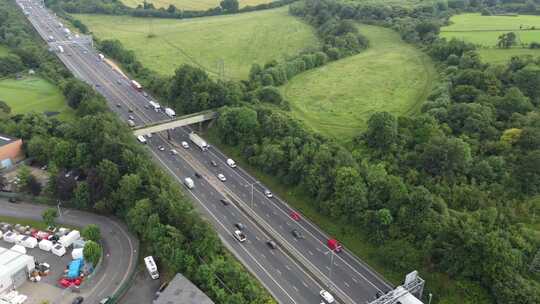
<point x="225" y="228"/>
<point x="310" y="252"/>
<point x="360" y="263"/>
<point x="288" y="267"/>
<point x="304" y="283"/>
<point x="295" y="288"/>
<point x="347" y="284"/>
<point x="355" y="280"/>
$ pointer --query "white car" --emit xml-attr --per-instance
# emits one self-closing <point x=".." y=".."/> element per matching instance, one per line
<point x="161" y="148"/>
<point x="231" y="163"/>
<point x="174" y="152"/>
<point x="327" y="297"/>
<point x="185" y="145"/>
<point x="221" y="177"/>
<point x="239" y="235"/>
<point x="268" y="194"/>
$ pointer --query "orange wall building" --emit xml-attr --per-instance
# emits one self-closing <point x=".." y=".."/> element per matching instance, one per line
<point x="10" y="151"/>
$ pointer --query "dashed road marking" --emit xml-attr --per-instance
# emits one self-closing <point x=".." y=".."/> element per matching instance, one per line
<point x="310" y="252"/>
<point x="347" y="284"/>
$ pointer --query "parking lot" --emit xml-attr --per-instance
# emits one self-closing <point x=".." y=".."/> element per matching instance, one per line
<point x="47" y="288"/>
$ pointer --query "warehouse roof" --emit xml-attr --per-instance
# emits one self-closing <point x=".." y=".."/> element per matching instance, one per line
<point x="6" y="140"/>
<point x="181" y="291"/>
<point x="12" y="261"/>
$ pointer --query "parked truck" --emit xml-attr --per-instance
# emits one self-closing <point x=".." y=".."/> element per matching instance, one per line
<point x="197" y="140"/>
<point x="170" y="112"/>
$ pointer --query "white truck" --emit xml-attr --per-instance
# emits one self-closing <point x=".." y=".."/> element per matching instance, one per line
<point x="189" y="183"/>
<point x="60" y="49"/>
<point x="170" y="112"/>
<point x="155" y="106"/>
<point x="197" y="140"/>
<point x="101" y="56"/>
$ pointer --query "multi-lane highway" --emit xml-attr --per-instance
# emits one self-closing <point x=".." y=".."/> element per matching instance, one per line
<point x="299" y="268"/>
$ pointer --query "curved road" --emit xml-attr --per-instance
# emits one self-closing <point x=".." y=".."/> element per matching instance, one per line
<point x="120" y="247"/>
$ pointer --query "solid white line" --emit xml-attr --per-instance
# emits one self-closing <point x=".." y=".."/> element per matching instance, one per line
<point x="225" y="228"/>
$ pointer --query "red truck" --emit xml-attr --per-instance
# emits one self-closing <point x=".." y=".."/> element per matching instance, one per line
<point x="334" y="245"/>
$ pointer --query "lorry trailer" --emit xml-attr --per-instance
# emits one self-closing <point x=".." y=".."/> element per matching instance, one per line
<point x="197" y="140"/>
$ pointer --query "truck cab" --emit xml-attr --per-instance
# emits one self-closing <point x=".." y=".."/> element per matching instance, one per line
<point x="240" y="236"/>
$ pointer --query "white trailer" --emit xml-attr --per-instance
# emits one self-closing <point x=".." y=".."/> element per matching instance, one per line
<point x="68" y="239"/>
<point x="170" y="112"/>
<point x="197" y="140"/>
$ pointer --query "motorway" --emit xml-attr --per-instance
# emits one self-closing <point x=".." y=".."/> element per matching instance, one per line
<point x="293" y="273"/>
<point x="120" y="247"/>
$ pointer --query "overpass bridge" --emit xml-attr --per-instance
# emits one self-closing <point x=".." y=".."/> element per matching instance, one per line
<point x="175" y="123"/>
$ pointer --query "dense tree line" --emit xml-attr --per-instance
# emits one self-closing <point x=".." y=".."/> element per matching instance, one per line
<point x="115" y="176"/>
<point x="146" y="9"/>
<point x="339" y="38"/>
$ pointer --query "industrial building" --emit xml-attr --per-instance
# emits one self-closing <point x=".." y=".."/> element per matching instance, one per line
<point x="10" y="151"/>
<point x="15" y="268"/>
<point x="181" y="291"/>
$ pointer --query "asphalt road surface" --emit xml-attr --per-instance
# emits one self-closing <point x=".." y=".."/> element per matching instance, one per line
<point x="120" y="248"/>
<point x="298" y="269"/>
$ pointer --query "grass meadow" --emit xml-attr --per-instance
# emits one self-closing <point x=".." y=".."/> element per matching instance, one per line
<point x="232" y="41"/>
<point x="33" y="94"/>
<point x="485" y="30"/>
<point x="338" y="99"/>
<point x="192" y="5"/>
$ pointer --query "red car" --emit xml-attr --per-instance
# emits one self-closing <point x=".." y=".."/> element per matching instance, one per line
<point x="334" y="245"/>
<point x="295" y="216"/>
<point x="41" y="235"/>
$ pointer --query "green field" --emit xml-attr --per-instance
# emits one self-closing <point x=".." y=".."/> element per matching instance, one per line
<point x="485" y="30"/>
<point x="3" y="50"/>
<point x="33" y="94"/>
<point x="193" y="5"/>
<point x="337" y="99"/>
<point x="236" y="41"/>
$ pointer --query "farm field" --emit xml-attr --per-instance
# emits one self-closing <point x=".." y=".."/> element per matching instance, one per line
<point x="193" y="5"/>
<point x="237" y="41"/>
<point x="338" y="99"/>
<point x="485" y="30"/>
<point x="3" y="50"/>
<point x="33" y="94"/>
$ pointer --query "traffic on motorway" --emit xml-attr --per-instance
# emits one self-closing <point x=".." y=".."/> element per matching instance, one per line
<point x="293" y="258"/>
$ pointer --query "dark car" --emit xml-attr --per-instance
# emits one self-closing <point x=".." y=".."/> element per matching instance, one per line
<point x="78" y="300"/>
<point x="271" y="244"/>
<point x="118" y="105"/>
<point x="297" y="234"/>
<point x="240" y="226"/>
<point x="13" y="199"/>
<point x="198" y="175"/>
<point x="213" y="163"/>
<point x="224" y="202"/>
<point x="130" y="110"/>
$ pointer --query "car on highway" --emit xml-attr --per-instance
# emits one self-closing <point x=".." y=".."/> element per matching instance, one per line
<point x="327" y="297"/>
<point x="224" y="202"/>
<point x="239" y="235"/>
<point x="240" y="226"/>
<point x="213" y="163"/>
<point x="221" y="177"/>
<point x="174" y="152"/>
<point x="147" y="107"/>
<point x="161" y="148"/>
<point x="77" y="300"/>
<point x="105" y="300"/>
<point x="131" y="123"/>
<point x="297" y="234"/>
<point x="145" y="94"/>
<point x="130" y="110"/>
<point x="231" y="163"/>
<point x="268" y="194"/>
<point x="198" y="175"/>
<point x="295" y="216"/>
<point x="119" y="81"/>
<point x="118" y="105"/>
<point x="131" y="117"/>
<point x="271" y="244"/>
<point x="185" y="145"/>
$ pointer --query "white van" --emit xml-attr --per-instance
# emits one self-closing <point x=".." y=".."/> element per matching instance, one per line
<point x="231" y="163"/>
<point x="189" y="183"/>
<point x="151" y="267"/>
<point x="327" y="297"/>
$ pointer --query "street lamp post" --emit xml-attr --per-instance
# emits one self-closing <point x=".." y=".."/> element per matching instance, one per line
<point x="331" y="251"/>
<point x="252" y="191"/>
<point x="58" y="207"/>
